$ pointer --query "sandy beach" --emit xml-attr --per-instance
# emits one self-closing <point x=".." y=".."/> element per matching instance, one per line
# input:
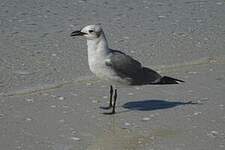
<point x="49" y="99"/>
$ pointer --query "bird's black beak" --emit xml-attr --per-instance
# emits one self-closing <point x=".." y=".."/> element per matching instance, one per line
<point x="77" y="33"/>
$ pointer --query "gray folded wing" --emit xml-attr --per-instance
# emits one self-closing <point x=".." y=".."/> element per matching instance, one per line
<point x="129" y="68"/>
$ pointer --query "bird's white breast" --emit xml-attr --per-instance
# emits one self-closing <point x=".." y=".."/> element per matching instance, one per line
<point x="98" y="67"/>
<point x="98" y="53"/>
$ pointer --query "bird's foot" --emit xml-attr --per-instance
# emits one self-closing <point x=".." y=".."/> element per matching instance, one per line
<point x="106" y="107"/>
<point x="109" y="113"/>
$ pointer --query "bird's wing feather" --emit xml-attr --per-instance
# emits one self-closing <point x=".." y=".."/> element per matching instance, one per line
<point x="123" y="64"/>
<point x="129" y="68"/>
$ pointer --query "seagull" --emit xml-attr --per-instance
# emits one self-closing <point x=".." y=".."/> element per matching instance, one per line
<point x="115" y="66"/>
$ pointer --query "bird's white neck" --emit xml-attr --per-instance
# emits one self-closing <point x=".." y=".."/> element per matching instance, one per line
<point x="97" y="52"/>
<point x="98" y="46"/>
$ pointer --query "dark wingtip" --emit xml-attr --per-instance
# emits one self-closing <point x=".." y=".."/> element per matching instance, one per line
<point x="179" y="80"/>
<point x="169" y="80"/>
<point x="190" y="102"/>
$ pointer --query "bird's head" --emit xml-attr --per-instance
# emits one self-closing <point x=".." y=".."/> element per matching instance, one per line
<point x="90" y="32"/>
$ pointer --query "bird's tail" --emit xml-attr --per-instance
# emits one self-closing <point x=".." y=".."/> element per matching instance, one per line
<point x="169" y="80"/>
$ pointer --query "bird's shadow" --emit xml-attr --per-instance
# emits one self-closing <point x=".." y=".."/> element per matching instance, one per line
<point x="150" y="105"/>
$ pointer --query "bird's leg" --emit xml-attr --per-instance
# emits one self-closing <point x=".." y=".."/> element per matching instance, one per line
<point x="110" y="100"/>
<point x="114" y="103"/>
<point x="111" y="96"/>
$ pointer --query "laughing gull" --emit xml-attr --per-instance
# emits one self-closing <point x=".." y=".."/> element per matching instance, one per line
<point x="116" y="66"/>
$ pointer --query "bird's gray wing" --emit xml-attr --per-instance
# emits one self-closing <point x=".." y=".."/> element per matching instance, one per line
<point x="124" y="65"/>
<point x="129" y="68"/>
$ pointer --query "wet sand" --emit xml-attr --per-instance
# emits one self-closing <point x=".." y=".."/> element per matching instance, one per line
<point x="49" y="100"/>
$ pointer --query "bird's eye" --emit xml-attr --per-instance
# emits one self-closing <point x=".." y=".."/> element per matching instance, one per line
<point x="91" y="31"/>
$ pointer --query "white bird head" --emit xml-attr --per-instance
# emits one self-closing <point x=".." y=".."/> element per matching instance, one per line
<point x="91" y="32"/>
